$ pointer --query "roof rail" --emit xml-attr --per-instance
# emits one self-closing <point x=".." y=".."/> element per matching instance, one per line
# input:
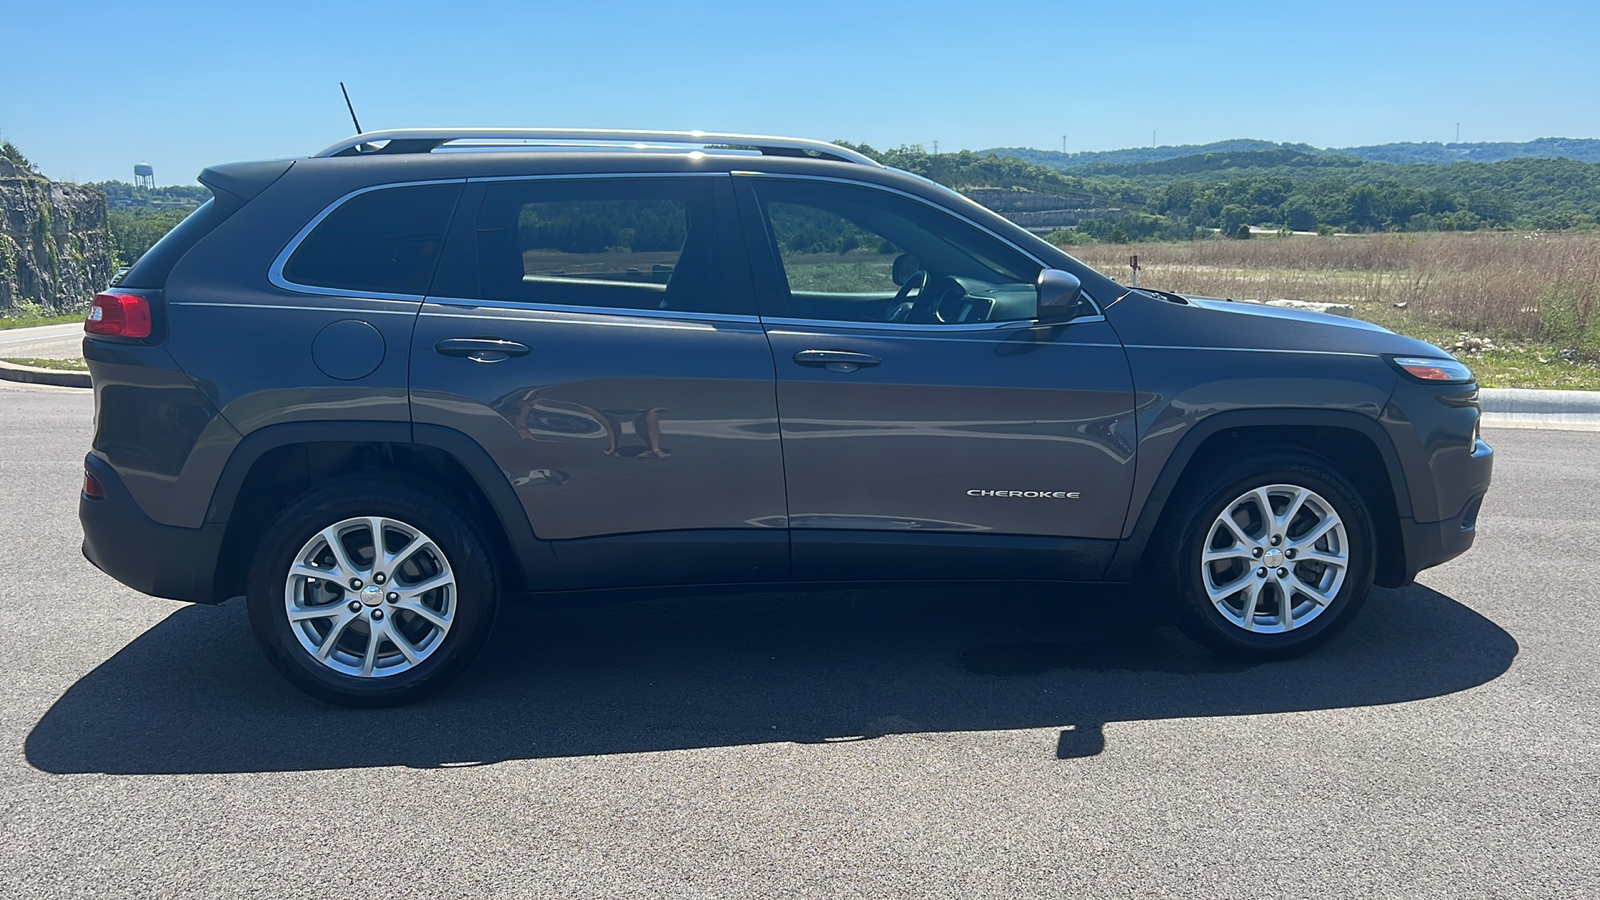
<point x="425" y="140"/>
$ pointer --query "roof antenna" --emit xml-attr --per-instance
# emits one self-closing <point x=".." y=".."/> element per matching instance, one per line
<point x="351" y="106"/>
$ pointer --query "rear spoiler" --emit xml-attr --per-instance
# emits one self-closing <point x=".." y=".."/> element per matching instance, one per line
<point x="235" y="184"/>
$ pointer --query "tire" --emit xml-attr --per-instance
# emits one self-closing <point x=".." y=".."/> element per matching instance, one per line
<point x="437" y="598"/>
<point x="1211" y="600"/>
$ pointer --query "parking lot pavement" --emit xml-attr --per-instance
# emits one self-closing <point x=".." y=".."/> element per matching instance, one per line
<point x="908" y="742"/>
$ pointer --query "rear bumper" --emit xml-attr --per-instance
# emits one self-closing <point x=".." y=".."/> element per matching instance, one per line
<point x="155" y="559"/>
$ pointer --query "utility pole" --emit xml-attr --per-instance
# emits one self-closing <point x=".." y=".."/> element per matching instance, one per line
<point x="1063" y="143"/>
<point x="935" y="148"/>
<point x="1458" y="132"/>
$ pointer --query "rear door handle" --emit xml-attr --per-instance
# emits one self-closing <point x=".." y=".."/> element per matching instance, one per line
<point x="836" y="360"/>
<point x="485" y="350"/>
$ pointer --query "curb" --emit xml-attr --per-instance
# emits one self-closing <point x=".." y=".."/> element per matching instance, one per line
<point x="1526" y="408"/>
<point x="31" y="375"/>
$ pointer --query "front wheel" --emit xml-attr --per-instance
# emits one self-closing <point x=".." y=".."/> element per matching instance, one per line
<point x="1268" y="557"/>
<point x="371" y="593"/>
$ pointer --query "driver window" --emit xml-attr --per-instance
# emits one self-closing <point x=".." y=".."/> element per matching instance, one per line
<point x="856" y="254"/>
<point x="823" y="252"/>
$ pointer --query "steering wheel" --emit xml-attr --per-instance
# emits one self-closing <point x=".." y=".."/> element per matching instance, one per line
<point x="905" y="300"/>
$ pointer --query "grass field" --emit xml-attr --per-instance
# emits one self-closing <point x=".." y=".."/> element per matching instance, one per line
<point x="31" y="320"/>
<point x="69" y="365"/>
<point x="1534" y="297"/>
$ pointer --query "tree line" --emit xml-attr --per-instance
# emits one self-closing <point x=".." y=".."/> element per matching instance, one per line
<point x="1228" y="190"/>
<point x="1284" y="188"/>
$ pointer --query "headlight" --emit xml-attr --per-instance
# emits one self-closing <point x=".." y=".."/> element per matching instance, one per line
<point x="1433" y="371"/>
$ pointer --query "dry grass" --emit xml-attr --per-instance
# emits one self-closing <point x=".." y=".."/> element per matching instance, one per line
<point x="70" y="365"/>
<point x="1499" y="284"/>
<point x="1535" y="296"/>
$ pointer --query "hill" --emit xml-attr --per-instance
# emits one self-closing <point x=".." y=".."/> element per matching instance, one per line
<point x="1278" y="186"/>
<point x="1295" y="186"/>
<point x="1580" y="149"/>
<point x="1224" y="162"/>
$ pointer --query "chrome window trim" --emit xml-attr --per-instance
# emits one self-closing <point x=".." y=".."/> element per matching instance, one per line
<point x="1009" y="324"/>
<point x="1099" y="310"/>
<point x="276" y="278"/>
<point x="926" y="336"/>
<point x="609" y="311"/>
<point x="342" y="309"/>
<point x="275" y="271"/>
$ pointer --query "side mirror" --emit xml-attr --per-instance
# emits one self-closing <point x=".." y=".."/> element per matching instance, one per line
<point x="1059" y="293"/>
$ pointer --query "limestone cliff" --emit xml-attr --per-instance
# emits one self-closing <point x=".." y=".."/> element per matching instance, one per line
<point x="55" y="250"/>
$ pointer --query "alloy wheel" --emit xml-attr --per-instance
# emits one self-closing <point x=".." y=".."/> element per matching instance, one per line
<point x="370" y="597"/>
<point x="1275" y="558"/>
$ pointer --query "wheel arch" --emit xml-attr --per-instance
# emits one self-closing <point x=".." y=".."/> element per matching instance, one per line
<point x="1349" y="443"/>
<point x="274" y="465"/>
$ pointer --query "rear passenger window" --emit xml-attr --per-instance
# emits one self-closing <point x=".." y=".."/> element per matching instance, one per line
<point x="622" y="244"/>
<point x="382" y="242"/>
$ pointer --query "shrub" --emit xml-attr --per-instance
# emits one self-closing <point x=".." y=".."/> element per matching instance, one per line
<point x="1568" y="315"/>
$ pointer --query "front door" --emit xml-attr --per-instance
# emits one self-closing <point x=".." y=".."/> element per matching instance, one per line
<point x="931" y="426"/>
<point x="598" y="338"/>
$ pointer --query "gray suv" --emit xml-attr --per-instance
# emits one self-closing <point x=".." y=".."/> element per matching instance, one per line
<point x="376" y="390"/>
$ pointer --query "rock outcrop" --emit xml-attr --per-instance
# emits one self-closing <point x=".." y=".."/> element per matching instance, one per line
<point x="55" y="250"/>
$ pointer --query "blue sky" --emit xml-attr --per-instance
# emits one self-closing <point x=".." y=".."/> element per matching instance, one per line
<point x="94" y="87"/>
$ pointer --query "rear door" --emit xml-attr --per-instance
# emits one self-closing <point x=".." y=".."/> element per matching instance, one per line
<point x="599" y="338"/>
<point x="932" y="427"/>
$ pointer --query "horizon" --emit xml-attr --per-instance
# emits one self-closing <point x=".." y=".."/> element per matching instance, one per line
<point x="1445" y="144"/>
<point x="182" y="94"/>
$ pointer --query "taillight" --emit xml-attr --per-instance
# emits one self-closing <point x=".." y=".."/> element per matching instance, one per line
<point x="92" y="488"/>
<point x="122" y="315"/>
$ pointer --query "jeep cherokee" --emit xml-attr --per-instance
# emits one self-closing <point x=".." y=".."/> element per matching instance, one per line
<point x="375" y="390"/>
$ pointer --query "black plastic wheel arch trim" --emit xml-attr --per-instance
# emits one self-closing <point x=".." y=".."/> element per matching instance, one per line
<point x="1125" y="565"/>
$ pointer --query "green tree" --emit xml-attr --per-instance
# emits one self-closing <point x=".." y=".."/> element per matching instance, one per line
<point x="10" y="152"/>
<point x="134" y="231"/>
<point x="1298" y="215"/>
<point x="1232" y="218"/>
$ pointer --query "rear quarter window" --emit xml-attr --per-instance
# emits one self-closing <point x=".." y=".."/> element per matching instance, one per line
<point x="385" y="241"/>
<point x="151" y="270"/>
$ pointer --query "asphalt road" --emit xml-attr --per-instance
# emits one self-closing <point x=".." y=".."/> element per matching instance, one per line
<point x="911" y="742"/>
<point x="44" y="342"/>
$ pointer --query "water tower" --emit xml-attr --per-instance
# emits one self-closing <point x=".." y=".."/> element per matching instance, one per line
<point x="144" y="175"/>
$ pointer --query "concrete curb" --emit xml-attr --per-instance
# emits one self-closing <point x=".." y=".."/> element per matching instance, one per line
<point x="31" y="375"/>
<point x="1524" y="408"/>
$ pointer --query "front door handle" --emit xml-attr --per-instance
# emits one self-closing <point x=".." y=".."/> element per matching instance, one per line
<point x="836" y="360"/>
<point x="484" y="350"/>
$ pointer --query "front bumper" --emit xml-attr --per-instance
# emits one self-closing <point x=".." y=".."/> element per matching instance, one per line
<point x="1428" y="544"/>
<point x="155" y="559"/>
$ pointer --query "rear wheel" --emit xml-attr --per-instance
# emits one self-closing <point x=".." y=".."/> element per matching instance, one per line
<point x="371" y="593"/>
<point x="1268" y="557"/>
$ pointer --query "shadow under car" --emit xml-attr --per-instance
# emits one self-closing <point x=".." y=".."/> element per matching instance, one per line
<point x="194" y="695"/>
